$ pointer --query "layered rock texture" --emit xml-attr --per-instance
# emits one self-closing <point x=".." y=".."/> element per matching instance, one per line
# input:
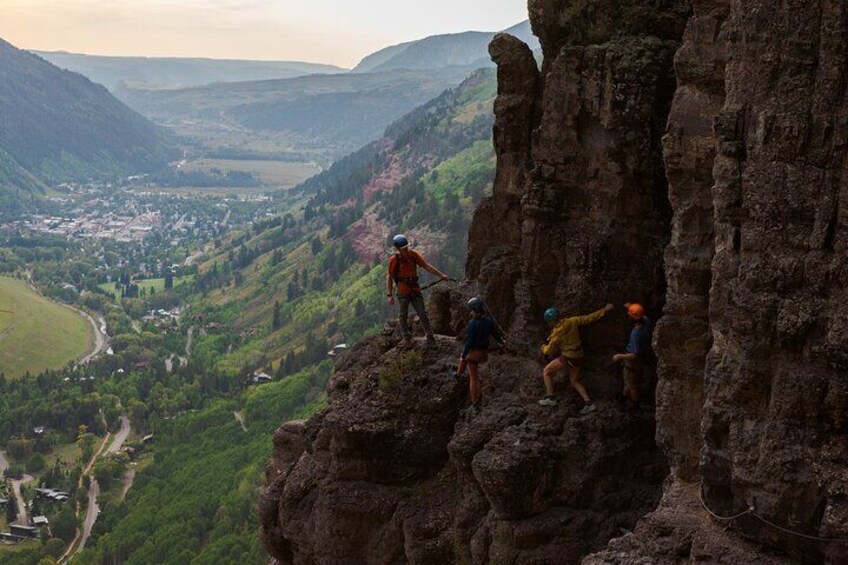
<point x="687" y="155"/>
<point x="398" y="469"/>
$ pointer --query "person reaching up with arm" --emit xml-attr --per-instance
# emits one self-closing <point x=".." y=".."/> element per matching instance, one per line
<point x="566" y="348"/>
<point x="480" y="330"/>
<point x="403" y="273"/>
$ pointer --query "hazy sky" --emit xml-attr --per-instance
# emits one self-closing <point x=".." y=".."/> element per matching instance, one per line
<point x="332" y="31"/>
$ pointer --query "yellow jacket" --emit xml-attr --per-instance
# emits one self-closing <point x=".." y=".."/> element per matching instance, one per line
<point x="565" y="337"/>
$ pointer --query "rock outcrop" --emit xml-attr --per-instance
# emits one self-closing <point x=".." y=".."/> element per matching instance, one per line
<point x="399" y="469"/>
<point x="688" y="155"/>
<point x="757" y="152"/>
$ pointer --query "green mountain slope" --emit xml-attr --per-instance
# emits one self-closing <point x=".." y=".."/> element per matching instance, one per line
<point x="324" y="263"/>
<point x="173" y="72"/>
<point x="58" y="126"/>
<point x="275" y="297"/>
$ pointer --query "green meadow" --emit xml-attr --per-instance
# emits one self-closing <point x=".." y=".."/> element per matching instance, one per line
<point x="40" y="334"/>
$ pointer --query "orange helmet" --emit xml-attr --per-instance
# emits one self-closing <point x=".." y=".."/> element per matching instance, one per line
<point x="636" y="311"/>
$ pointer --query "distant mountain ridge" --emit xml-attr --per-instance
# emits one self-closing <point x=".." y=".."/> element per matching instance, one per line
<point x="438" y="51"/>
<point x="57" y="126"/>
<point x="178" y="72"/>
<point x="327" y="116"/>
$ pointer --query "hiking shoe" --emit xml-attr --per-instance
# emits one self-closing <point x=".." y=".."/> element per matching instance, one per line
<point x="431" y="341"/>
<point x="588" y="409"/>
<point x="548" y="401"/>
<point x="478" y="407"/>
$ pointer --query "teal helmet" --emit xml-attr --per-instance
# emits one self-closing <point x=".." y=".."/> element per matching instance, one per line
<point x="551" y="315"/>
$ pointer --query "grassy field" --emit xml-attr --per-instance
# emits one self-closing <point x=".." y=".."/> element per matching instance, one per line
<point x="276" y="174"/>
<point x="69" y="454"/>
<point x="41" y="334"/>
<point x="157" y="284"/>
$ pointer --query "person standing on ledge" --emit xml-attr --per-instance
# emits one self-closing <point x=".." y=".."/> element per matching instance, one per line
<point x="637" y="349"/>
<point x="476" y="351"/>
<point x="565" y="346"/>
<point x="403" y="272"/>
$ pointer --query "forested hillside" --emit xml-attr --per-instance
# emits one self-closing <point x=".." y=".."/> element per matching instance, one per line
<point x="314" y="277"/>
<point x="58" y="126"/>
<point x="275" y="298"/>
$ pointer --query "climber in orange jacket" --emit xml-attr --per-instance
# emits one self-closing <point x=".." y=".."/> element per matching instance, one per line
<point x="403" y="272"/>
<point x="565" y="346"/>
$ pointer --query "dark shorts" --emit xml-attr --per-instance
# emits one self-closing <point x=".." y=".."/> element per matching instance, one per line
<point x="570" y="361"/>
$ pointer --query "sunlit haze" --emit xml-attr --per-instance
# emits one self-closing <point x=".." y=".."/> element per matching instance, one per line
<point x="340" y="32"/>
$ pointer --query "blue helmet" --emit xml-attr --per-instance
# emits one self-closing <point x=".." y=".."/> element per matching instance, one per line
<point x="551" y="315"/>
<point x="400" y="241"/>
<point x="476" y="304"/>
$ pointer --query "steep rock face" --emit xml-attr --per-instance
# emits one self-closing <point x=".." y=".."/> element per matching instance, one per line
<point x="752" y="392"/>
<point x="579" y="214"/>
<point x="731" y="225"/>
<point x="775" y="414"/>
<point x="398" y="469"/>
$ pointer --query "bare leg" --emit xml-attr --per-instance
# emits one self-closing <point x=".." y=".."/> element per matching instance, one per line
<point x="574" y="377"/>
<point x="550" y="372"/>
<point x="474" y="385"/>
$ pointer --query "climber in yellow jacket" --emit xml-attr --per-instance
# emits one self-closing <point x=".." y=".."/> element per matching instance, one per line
<point x="565" y="347"/>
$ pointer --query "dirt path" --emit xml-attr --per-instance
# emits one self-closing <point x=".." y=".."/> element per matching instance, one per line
<point x="188" y="342"/>
<point x="72" y="547"/>
<point x="240" y="418"/>
<point x="90" y="515"/>
<point x="121" y="436"/>
<point x="94" y="489"/>
<point x="129" y="478"/>
<point x="16" y="489"/>
<point x="23" y="519"/>
<point x="101" y="340"/>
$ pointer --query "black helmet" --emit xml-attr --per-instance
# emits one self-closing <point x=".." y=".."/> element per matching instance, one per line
<point x="400" y="241"/>
<point x="476" y="304"/>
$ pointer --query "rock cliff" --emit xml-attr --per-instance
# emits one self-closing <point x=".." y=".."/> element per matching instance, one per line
<point x="688" y="155"/>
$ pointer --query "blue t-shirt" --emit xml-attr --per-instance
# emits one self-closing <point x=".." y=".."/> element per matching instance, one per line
<point x="640" y="337"/>
<point x="478" y="334"/>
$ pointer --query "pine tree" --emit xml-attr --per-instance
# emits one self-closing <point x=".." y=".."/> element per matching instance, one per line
<point x="277" y="322"/>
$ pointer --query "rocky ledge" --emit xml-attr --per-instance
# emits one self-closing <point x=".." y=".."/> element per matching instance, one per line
<point x="399" y="469"/>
